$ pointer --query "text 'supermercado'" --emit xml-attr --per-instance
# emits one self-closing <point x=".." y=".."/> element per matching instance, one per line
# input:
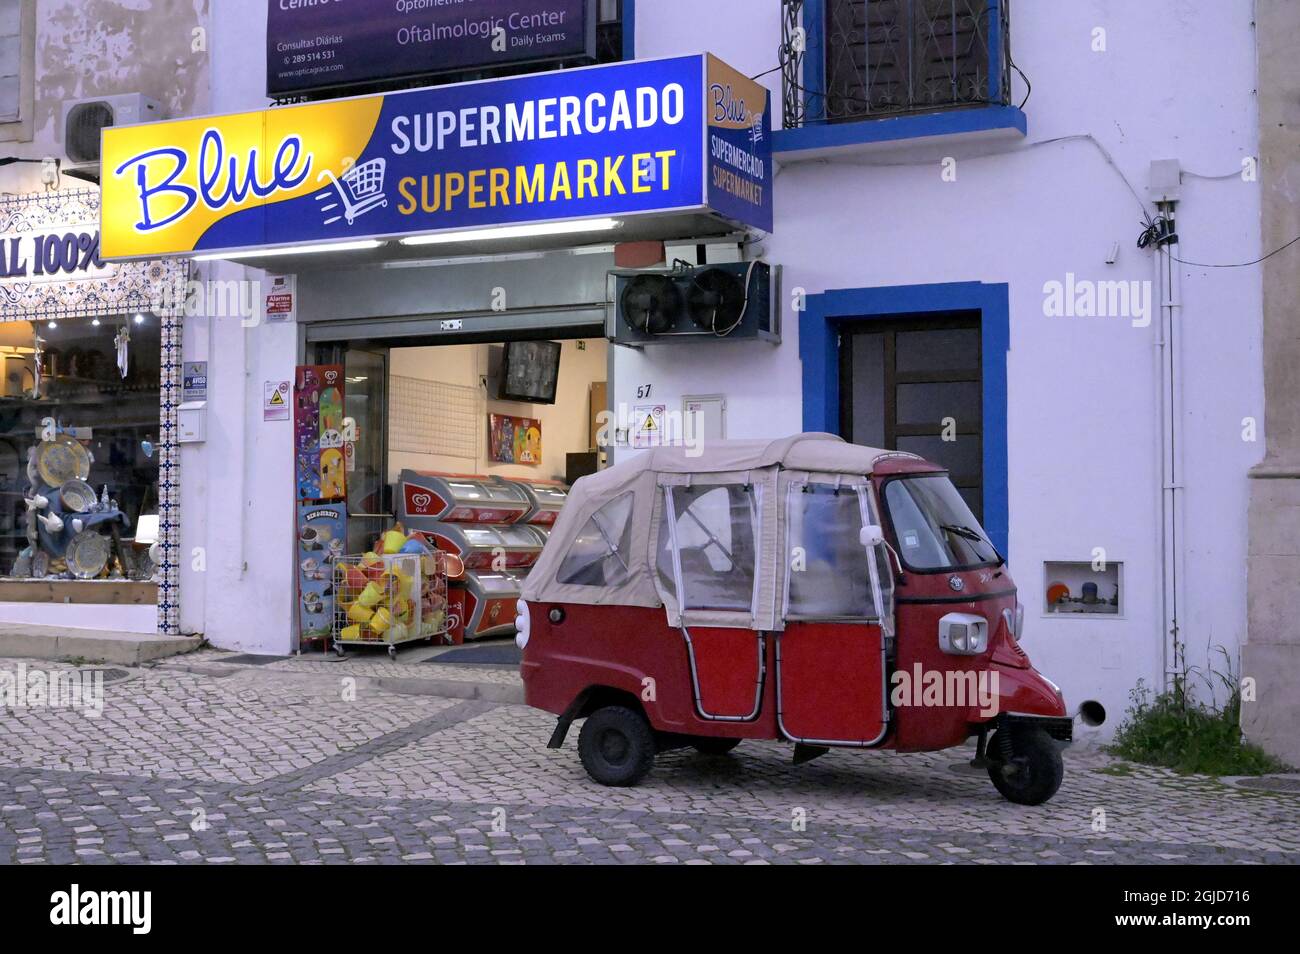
<point x="684" y="133"/>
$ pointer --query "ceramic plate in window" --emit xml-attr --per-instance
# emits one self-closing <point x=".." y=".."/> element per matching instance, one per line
<point x="78" y="496"/>
<point x="62" y="459"/>
<point x="88" y="554"/>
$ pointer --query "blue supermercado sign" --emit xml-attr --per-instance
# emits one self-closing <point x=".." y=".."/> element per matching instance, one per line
<point x="630" y="138"/>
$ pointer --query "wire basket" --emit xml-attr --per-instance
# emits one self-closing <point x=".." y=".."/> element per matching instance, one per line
<point x="435" y="619"/>
<point x="389" y="600"/>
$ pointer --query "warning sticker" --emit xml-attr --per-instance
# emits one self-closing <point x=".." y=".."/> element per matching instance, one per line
<point x="648" y="425"/>
<point x="275" y="401"/>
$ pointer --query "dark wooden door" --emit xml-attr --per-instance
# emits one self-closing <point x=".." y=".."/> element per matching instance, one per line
<point x="916" y="385"/>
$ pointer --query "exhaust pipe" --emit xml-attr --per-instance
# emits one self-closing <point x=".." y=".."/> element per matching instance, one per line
<point x="1091" y="713"/>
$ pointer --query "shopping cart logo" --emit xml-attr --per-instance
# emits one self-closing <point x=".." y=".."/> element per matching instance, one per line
<point x="356" y="192"/>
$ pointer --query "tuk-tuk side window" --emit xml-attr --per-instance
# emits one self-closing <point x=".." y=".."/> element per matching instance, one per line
<point x="715" y="534"/>
<point x="600" y="553"/>
<point x="828" y="569"/>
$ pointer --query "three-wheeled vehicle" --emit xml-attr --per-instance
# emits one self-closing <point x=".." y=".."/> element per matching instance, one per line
<point x="801" y="589"/>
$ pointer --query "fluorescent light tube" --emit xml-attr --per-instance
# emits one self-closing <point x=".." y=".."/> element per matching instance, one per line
<point x="289" y="250"/>
<point x="514" y="231"/>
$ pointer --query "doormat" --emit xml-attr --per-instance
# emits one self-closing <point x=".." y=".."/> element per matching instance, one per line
<point x="501" y="654"/>
<point x="248" y="659"/>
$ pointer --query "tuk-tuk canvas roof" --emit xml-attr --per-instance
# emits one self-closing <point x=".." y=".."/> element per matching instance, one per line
<point x="823" y="453"/>
<point x="812" y="452"/>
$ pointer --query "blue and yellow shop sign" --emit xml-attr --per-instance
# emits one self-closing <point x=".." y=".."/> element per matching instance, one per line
<point x="686" y="133"/>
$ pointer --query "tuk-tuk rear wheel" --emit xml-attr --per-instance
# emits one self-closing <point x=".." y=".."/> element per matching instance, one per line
<point x="1035" y="770"/>
<point x="617" y="746"/>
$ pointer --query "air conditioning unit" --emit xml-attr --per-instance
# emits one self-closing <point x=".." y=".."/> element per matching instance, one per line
<point x="733" y="301"/>
<point x="84" y="118"/>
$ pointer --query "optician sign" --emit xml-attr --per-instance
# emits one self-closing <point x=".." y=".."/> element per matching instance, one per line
<point x="315" y="44"/>
<point x="687" y="133"/>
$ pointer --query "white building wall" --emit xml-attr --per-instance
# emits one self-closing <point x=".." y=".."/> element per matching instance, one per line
<point x="1082" y="420"/>
<point x="238" y="585"/>
<point x="1083" y="425"/>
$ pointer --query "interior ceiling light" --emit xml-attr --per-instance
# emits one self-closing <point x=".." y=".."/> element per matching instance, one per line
<point x="290" y="250"/>
<point x="514" y="231"/>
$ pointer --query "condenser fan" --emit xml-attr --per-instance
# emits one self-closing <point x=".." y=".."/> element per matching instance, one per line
<point x="716" y="301"/>
<point x="651" y="304"/>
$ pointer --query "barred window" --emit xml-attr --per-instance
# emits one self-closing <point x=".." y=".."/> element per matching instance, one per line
<point x="885" y="57"/>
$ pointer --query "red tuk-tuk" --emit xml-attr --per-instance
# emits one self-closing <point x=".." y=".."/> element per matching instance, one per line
<point x="803" y="589"/>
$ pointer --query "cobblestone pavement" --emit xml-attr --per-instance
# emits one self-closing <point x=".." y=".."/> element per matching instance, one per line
<point x="364" y="760"/>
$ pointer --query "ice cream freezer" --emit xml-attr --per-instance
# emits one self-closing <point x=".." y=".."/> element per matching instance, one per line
<point x="425" y="497"/>
<point x="497" y="526"/>
<point x="510" y="547"/>
<point x="547" y="497"/>
<point x="483" y="604"/>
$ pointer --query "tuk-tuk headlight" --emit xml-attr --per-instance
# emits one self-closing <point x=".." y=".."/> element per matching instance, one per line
<point x="522" y="620"/>
<point x="963" y="634"/>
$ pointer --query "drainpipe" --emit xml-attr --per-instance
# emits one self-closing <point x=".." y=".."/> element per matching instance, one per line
<point x="1170" y="404"/>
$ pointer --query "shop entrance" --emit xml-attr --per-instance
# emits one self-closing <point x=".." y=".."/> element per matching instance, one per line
<point x="494" y="425"/>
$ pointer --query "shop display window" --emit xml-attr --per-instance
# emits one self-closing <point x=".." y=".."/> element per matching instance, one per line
<point x="64" y="384"/>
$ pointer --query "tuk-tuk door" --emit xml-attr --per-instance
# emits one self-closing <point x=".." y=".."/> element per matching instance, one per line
<point x="838" y="611"/>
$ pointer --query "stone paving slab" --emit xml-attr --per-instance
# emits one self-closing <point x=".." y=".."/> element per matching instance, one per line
<point x="33" y="641"/>
<point x="75" y="817"/>
<point x="288" y="764"/>
<point x="500" y="757"/>
<point x="361" y="664"/>
<point x="243" y="728"/>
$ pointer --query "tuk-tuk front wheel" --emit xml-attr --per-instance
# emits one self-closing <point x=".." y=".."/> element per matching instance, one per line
<point x="1034" y="771"/>
<point x="617" y="746"/>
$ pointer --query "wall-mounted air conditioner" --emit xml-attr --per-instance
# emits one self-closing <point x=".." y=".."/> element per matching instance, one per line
<point x="82" y="120"/>
<point x="726" y="302"/>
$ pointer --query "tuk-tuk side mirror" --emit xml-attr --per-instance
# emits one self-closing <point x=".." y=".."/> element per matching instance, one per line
<point x="871" y="536"/>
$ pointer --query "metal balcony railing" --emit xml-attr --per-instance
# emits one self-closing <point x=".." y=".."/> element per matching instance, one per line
<point x="874" y="58"/>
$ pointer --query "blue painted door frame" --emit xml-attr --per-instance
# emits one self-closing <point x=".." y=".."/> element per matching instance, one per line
<point x="825" y="316"/>
<point x="629" y="29"/>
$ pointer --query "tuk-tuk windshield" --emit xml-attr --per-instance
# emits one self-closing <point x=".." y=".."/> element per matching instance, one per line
<point x="934" y="527"/>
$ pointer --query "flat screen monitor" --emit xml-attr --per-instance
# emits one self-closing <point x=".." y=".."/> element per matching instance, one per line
<point x="529" y="371"/>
